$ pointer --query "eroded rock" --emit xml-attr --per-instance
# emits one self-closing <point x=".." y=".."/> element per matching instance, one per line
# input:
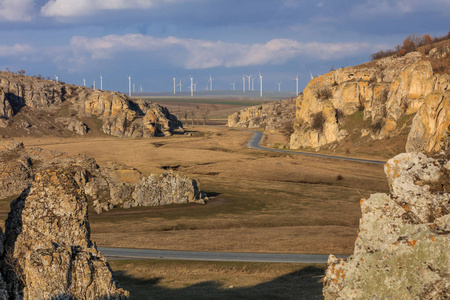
<point x="48" y="251"/>
<point x="403" y="247"/>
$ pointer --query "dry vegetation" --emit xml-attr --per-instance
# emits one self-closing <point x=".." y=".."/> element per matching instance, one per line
<point x="153" y="279"/>
<point x="261" y="202"/>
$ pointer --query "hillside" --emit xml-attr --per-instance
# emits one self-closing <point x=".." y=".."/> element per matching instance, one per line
<point x="405" y="97"/>
<point x="34" y="106"/>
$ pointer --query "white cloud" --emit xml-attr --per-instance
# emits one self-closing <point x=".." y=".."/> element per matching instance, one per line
<point x="16" y="10"/>
<point x="201" y="54"/>
<point x="73" y="8"/>
<point x="15" y="50"/>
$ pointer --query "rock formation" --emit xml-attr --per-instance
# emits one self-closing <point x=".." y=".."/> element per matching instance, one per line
<point x="114" y="185"/>
<point x="403" y="246"/>
<point x="48" y="253"/>
<point x="385" y="92"/>
<point x="119" y="115"/>
<point x="273" y="115"/>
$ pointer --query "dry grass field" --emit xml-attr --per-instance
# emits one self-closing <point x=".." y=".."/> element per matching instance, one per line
<point x="154" y="279"/>
<point x="260" y="201"/>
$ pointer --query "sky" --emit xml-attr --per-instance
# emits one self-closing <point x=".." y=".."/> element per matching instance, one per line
<point x="154" y="41"/>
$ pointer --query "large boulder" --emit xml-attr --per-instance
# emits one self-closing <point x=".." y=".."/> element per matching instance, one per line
<point x="48" y="251"/>
<point x="403" y="246"/>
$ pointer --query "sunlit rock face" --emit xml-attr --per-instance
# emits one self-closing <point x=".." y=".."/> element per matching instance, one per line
<point x="403" y="246"/>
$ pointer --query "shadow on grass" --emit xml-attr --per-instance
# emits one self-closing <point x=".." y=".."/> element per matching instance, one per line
<point x="302" y="284"/>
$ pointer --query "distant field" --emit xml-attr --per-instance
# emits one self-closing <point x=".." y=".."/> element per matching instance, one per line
<point x="218" y="106"/>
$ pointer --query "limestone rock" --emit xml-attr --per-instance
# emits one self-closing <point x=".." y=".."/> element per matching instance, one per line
<point x="113" y="185"/>
<point x="402" y="249"/>
<point x="385" y="91"/>
<point x="49" y="254"/>
<point x="121" y="116"/>
<point x="273" y="115"/>
<point x="74" y="125"/>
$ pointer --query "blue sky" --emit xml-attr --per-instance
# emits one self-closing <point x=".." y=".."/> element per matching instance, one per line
<point x="156" y="40"/>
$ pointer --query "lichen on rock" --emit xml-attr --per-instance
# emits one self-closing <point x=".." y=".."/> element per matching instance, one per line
<point x="403" y="246"/>
<point x="48" y="251"/>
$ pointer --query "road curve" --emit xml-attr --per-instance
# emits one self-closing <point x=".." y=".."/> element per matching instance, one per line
<point x="213" y="256"/>
<point x="255" y="141"/>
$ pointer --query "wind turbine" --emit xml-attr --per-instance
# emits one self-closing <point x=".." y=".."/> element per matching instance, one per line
<point x="129" y="86"/>
<point x="84" y="82"/>
<point x="312" y="77"/>
<point x="243" y="83"/>
<point x="233" y="84"/>
<point x="101" y="82"/>
<point x="249" y="77"/>
<point x="210" y="82"/>
<point x="94" y="85"/>
<point x="134" y="88"/>
<point x="296" y="85"/>
<point x="56" y="78"/>
<point x="180" y="85"/>
<point x="140" y="90"/>
<point x="260" y="85"/>
<point x="279" y="86"/>
<point x="195" y="86"/>
<point x="192" y="86"/>
<point x="253" y="83"/>
<point x="174" y="86"/>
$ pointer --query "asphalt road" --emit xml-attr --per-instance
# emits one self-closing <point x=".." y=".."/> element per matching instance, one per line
<point x="257" y="136"/>
<point x="213" y="256"/>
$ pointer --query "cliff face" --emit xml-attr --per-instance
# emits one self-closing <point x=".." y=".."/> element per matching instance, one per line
<point x="384" y="91"/>
<point x="274" y="115"/>
<point x="402" y="249"/>
<point x="120" y="115"/>
<point x="48" y="253"/>
<point x="114" y="185"/>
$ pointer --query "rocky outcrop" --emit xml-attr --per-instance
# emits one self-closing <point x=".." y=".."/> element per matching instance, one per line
<point x="48" y="252"/>
<point x="121" y="116"/>
<point x="384" y="91"/>
<point x="402" y="249"/>
<point x="274" y="115"/>
<point x="114" y="185"/>
<point x="73" y="125"/>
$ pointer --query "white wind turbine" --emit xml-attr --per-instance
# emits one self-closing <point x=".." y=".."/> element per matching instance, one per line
<point x="279" y="86"/>
<point x="140" y="90"/>
<point x="94" y="84"/>
<point x="101" y="82"/>
<point x="84" y="82"/>
<point x="260" y="85"/>
<point x="233" y="84"/>
<point x="192" y="86"/>
<point x="129" y="86"/>
<point x="210" y="82"/>
<point x="312" y="77"/>
<point x="253" y="83"/>
<point x="174" y="86"/>
<point x="195" y="86"/>
<point x="56" y="78"/>
<point x="296" y="85"/>
<point x="249" y="77"/>
<point x="243" y="83"/>
<point x="180" y="85"/>
<point x="134" y="88"/>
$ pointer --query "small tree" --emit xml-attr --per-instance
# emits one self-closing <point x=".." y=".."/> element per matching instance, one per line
<point x="21" y="72"/>
<point x="318" y="121"/>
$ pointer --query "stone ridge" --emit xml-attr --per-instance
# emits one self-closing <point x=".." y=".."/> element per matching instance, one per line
<point x="273" y="115"/>
<point x="384" y="91"/>
<point x="113" y="185"/>
<point x="403" y="246"/>
<point x="121" y="116"/>
<point x="48" y="251"/>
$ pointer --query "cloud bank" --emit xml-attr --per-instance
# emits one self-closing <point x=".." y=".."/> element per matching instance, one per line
<point x="202" y="54"/>
<point x="16" y="10"/>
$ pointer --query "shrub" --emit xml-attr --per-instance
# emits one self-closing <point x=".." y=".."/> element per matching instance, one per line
<point x="318" y="120"/>
<point x="377" y="126"/>
<point x="324" y="93"/>
<point x="339" y="177"/>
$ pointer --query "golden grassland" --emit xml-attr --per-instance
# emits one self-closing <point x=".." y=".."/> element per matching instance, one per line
<point x="260" y="201"/>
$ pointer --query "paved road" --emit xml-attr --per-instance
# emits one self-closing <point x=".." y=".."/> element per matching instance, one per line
<point x="213" y="256"/>
<point x="257" y="136"/>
